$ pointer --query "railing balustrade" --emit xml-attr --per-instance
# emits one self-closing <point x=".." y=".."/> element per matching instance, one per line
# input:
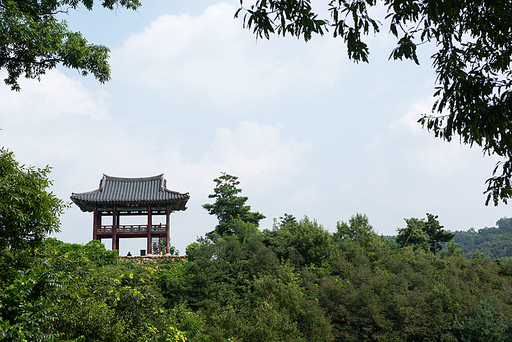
<point x="132" y="228"/>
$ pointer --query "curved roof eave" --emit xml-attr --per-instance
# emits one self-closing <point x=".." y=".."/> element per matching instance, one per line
<point x="130" y="192"/>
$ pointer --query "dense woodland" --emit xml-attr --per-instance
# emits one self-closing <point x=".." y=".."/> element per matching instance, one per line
<point x="295" y="282"/>
<point x="494" y="242"/>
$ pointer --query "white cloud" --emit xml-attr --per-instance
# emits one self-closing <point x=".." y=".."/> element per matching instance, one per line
<point x="211" y="57"/>
<point x="51" y="119"/>
<point x="309" y="194"/>
<point x="256" y="150"/>
<point x="55" y="96"/>
<point x="81" y="147"/>
<point x="439" y="159"/>
<point x="408" y="122"/>
<point x="425" y="154"/>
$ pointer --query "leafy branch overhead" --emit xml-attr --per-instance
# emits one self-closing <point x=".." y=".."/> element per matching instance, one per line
<point x="33" y="40"/>
<point x="472" y="60"/>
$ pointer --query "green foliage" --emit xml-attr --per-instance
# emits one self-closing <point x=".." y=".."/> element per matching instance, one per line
<point x="244" y="292"/>
<point x="384" y="293"/>
<point x="424" y="234"/>
<point x="92" y="252"/>
<point x="487" y="324"/>
<point x="190" y="323"/>
<point x="61" y="295"/>
<point x="414" y="234"/>
<point x="471" y="60"/>
<point x="357" y="229"/>
<point x="32" y="40"/>
<point x="191" y="249"/>
<point x="229" y="206"/>
<point x="452" y="249"/>
<point x="437" y="235"/>
<point x="28" y="211"/>
<point x="25" y="314"/>
<point x="159" y="248"/>
<point x="302" y="243"/>
<point x="494" y="242"/>
<point x="297" y="282"/>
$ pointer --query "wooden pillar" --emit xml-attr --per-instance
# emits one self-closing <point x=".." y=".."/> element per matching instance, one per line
<point x="114" y="229"/>
<point x="95" y="224"/>
<point x="168" y="231"/>
<point x="150" y="224"/>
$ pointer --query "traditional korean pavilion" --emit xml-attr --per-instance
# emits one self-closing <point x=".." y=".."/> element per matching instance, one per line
<point x="118" y="197"/>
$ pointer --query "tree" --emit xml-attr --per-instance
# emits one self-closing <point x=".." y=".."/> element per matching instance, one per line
<point x="357" y="229"/>
<point x="452" y="249"/>
<point x="303" y="243"/>
<point x="426" y="234"/>
<point x="229" y="206"/>
<point x="472" y="60"/>
<point x="436" y="234"/>
<point x="414" y="234"/>
<point x="33" y="40"/>
<point x="64" y="295"/>
<point x="28" y="211"/>
<point x="487" y="324"/>
<point x="494" y="242"/>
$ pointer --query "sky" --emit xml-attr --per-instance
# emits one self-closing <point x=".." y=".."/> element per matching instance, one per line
<point x="194" y="94"/>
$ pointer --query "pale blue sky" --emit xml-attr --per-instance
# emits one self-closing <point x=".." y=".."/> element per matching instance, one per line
<point x="193" y="94"/>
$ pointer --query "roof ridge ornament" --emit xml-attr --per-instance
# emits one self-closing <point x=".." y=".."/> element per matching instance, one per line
<point x="102" y="182"/>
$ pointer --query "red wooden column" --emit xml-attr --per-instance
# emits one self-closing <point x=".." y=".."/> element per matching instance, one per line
<point x="167" y="231"/>
<point x="118" y="220"/>
<point x="114" y="229"/>
<point x="95" y="225"/>
<point x="150" y="225"/>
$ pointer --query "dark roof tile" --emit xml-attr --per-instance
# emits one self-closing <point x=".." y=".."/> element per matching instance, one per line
<point x="117" y="191"/>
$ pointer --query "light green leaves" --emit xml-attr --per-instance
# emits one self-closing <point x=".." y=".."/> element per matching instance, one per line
<point x="28" y="211"/>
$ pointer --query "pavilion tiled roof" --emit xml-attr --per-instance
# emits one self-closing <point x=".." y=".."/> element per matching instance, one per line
<point x="131" y="192"/>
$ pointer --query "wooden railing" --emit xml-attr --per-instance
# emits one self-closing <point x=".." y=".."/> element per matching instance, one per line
<point x="132" y="228"/>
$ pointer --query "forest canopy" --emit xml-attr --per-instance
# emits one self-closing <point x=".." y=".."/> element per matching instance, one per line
<point x="294" y="282"/>
<point x="493" y="242"/>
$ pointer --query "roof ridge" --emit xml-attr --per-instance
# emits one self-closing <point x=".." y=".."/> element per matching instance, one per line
<point x="138" y="191"/>
<point x="133" y="179"/>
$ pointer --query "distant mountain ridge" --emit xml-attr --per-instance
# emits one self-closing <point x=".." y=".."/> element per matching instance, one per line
<point x="494" y="242"/>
